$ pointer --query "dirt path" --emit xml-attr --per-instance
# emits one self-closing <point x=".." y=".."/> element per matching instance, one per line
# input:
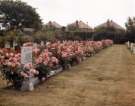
<point x="107" y="79"/>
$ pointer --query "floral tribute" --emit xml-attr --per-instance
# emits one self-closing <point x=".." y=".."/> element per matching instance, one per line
<point x="47" y="57"/>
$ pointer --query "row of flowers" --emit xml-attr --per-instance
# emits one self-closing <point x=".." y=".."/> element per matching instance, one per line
<point x="46" y="57"/>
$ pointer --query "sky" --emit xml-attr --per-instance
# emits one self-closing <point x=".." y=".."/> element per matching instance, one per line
<point x="94" y="12"/>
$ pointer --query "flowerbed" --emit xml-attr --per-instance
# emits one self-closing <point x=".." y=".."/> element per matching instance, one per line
<point x="47" y="60"/>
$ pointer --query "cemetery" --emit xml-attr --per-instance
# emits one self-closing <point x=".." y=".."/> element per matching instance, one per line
<point x="46" y="63"/>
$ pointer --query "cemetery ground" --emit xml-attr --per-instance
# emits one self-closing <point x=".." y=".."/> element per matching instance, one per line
<point x="107" y="79"/>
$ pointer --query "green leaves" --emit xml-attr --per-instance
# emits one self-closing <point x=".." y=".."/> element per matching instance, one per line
<point x="19" y="12"/>
<point x="130" y="25"/>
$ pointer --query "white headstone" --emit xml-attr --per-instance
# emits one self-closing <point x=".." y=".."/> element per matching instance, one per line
<point x="7" y="45"/>
<point x="14" y="43"/>
<point x="42" y="43"/>
<point x="128" y="44"/>
<point x="131" y="47"/>
<point x="26" y="55"/>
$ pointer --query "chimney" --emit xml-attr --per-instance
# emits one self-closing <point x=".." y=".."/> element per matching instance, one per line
<point x="77" y="23"/>
<point x="50" y="24"/>
<point x="108" y="23"/>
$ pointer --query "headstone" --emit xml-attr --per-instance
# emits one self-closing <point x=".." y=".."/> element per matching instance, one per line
<point x="7" y="45"/>
<point x="26" y="55"/>
<point x="51" y="73"/>
<point x="128" y="44"/>
<point x="131" y="47"/>
<point x="14" y="44"/>
<point x="59" y="70"/>
<point x="29" y="84"/>
<point x="42" y="43"/>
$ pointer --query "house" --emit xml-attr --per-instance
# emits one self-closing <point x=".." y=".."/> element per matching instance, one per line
<point x="52" y="25"/>
<point x="110" y="30"/>
<point x="110" y="24"/>
<point x="80" y="26"/>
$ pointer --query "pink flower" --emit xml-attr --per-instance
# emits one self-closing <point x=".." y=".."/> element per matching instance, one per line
<point x="64" y="54"/>
<point x="28" y="66"/>
<point x="54" y="59"/>
<point x="45" y="62"/>
<point x="13" y="65"/>
<point x="34" y="72"/>
<point x="39" y="60"/>
<point x="9" y="63"/>
<point x="24" y="74"/>
<point x="11" y="54"/>
<point x="36" y="50"/>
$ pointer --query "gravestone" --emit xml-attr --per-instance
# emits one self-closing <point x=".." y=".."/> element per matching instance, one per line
<point x="7" y="45"/>
<point x="26" y="55"/>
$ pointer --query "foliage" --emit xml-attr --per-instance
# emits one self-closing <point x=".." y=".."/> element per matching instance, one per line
<point x="130" y="25"/>
<point x="18" y="12"/>
<point x="117" y="35"/>
<point x="44" y="35"/>
<point x="1" y="41"/>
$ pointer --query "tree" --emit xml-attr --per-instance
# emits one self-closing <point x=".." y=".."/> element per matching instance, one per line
<point x="19" y="13"/>
<point x="110" y="32"/>
<point x="130" y="25"/>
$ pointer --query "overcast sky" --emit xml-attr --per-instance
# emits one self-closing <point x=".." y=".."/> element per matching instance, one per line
<point x="94" y="12"/>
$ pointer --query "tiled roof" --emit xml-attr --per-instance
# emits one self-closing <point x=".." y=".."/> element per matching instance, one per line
<point x="80" y="24"/>
<point x="110" y="23"/>
<point x="53" y="24"/>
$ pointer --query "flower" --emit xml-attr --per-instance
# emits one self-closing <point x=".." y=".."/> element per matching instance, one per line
<point x="54" y="60"/>
<point x="28" y="66"/>
<point x="49" y="57"/>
